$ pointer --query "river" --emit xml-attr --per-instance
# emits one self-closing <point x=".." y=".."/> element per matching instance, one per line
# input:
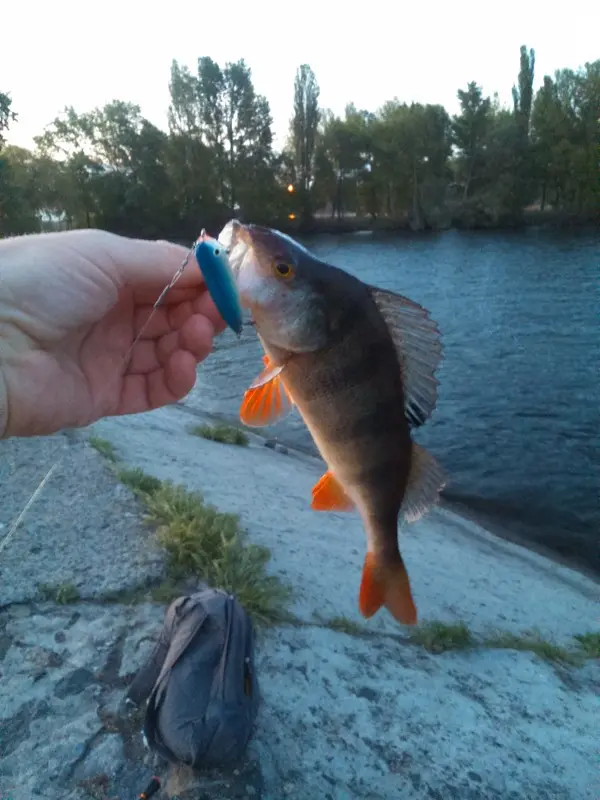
<point x="517" y="425"/>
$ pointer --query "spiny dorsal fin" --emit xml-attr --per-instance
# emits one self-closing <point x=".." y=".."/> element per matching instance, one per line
<point x="425" y="483"/>
<point x="417" y="340"/>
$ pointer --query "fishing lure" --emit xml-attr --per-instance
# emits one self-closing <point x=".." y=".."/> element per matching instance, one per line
<point x="214" y="264"/>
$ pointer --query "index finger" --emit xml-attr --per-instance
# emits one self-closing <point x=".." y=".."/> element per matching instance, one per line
<point x="148" y="265"/>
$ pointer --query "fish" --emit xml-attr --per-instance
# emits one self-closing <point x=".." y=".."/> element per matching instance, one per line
<point x="213" y="261"/>
<point x="357" y="362"/>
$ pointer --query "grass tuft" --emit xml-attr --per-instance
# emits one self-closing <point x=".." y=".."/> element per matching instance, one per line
<point x="141" y="485"/>
<point x="163" y="592"/>
<point x="104" y="447"/>
<point x="61" y="593"/>
<point x="205" y="543"/>
<point x="533" y="642"/>
<point x="589" y="643"/>
<point x="438" y="637"/>
<point x="345" y="625"/>
<point x="227" y="434"/>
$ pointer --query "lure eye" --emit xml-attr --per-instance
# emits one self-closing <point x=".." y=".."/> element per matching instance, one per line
<point x="284" y="270"/>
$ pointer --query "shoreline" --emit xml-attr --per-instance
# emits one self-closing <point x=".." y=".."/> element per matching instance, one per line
<point x="378" y="701"/>
<point x="462" y="511"/>
<point x="386" y="226"/>
<point x="545" y="220"/>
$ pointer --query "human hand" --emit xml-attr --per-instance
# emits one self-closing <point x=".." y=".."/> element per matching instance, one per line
<point x="71" y="305"/>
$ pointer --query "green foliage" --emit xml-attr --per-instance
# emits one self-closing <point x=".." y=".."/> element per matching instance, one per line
<point x="345" y="625"/>
<point x="533" y="642"/>
<point x="566" y="139"/>
<point x="62" y="593"/>
<point x="7" y="115"/>
<point x="304" y="132"/>
<point x="469" y="132"/>
<point x="18" y="192"/>
<point x="399" y="165"/>
<point x="202" y="542"/>
<point x="589" y="643"/>
<point x="438" y="637"/>
<point x="227" y="434"/>
<point x="104" y="447"/>
<point x="142" y="485"/>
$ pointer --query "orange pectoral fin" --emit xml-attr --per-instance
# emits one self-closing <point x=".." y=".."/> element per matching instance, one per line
<point x="388" y="586"/>
<point x="329" y="495"/>
<point x="267" y="402"/>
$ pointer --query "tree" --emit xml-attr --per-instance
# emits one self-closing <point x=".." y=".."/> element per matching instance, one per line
<point x="111" y="167"/>
<point x="413" y="147"/>
<point x="523" y="93"/>
<point x="522" y="103"/>
<point x="235" y="123"/>
<point x="192" y="166"/>
<point x="304" y="129"/>
<point x="342" y="156"/>
<point x="6" y="114"/>
<point x="469" y="129"/>
<point x="19" y="192"/>
<point x="114" y="168"/>
<point x="565" y="135"/>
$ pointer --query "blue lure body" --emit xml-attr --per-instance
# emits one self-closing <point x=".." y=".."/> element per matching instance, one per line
<point x="214" y="264"/>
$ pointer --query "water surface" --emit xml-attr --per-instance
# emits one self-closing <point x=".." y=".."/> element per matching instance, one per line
<point x="517" y="425"/>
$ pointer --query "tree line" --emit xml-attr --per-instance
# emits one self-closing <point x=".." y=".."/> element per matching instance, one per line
<point x="403" y="164"/>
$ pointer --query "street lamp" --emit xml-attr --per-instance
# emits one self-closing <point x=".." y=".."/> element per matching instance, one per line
<point x="290" y="187"/>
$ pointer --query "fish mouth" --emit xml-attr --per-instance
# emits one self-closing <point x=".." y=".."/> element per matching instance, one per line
<point x="236" y="238"/>
<point x="244" y="242"/>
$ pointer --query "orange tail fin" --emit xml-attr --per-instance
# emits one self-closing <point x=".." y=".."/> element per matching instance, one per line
<point x="389" y="586"/>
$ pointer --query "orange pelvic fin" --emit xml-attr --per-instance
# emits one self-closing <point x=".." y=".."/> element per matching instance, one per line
<point x="388" y="586"/>
<point x="267" y="400"/>
<point x="329" y="495"/>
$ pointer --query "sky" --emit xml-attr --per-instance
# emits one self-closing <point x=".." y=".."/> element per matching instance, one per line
<point x="69" y="52"/>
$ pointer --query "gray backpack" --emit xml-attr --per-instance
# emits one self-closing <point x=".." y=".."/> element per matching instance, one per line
<point x="200" y="682"/>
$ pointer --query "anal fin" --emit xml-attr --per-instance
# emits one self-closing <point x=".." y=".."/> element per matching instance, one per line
<point x="425" y="483"/>
<point x="329" y="495"/>
<point x="267" y="400"/>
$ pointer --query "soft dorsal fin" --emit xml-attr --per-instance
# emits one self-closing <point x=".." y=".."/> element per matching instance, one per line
<point x="417" y="340"/>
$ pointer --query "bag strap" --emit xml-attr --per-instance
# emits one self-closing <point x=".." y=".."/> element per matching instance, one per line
<point x="187" y="631"/>
<point x="188" y="628"/>
<point x="143" y="683"/>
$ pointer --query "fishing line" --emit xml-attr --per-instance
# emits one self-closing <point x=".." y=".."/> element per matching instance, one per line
<point x="19" y="519"/>
<point x="119" y="371"/>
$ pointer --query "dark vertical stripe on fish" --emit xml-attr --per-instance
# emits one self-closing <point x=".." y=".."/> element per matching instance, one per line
<point x="364" y="364"/>
<point x="380" y="423"/>
<point x="386" y="480"/>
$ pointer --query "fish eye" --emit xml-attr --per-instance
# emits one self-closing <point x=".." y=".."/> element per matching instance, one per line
<point x="217" y="251"/>
<point x="283" y="269"/>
